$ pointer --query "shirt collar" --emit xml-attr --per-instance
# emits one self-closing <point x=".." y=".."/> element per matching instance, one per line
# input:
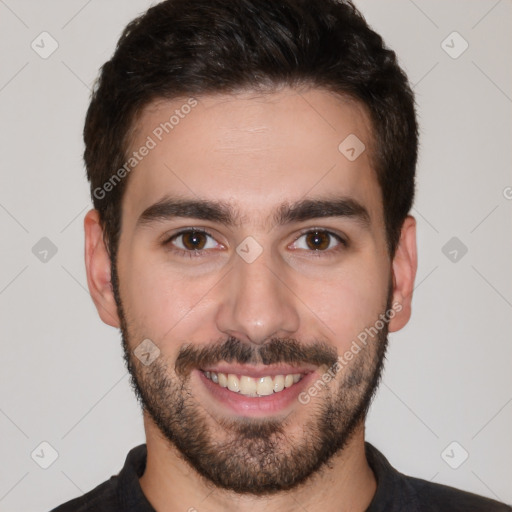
<point x="129" y="492"/>
<point x="394" y="490"/>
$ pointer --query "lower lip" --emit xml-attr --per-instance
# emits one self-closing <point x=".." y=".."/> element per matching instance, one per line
<point x="257" y="406"/>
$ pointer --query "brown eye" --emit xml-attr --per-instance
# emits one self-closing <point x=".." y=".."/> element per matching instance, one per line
<point x="194" y="240"/>
<point x="318" y="240"/>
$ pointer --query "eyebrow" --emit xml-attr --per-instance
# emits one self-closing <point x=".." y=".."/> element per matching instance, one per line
<point x="224" y="213"/>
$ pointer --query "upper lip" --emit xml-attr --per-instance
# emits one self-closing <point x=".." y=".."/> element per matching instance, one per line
<point x="259" y="370"/>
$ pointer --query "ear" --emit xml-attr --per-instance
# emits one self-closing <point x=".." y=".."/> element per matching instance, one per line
<point x="97" y="264"/>
<point x="405" y="263"/>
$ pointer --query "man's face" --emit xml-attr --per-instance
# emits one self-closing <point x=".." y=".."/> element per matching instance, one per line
<point x="262" y="289"/>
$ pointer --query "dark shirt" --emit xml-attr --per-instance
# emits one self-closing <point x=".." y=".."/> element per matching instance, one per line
<point x="395" y="492"/>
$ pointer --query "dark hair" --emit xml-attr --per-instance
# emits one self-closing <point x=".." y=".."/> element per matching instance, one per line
<point x="183" y="48"/>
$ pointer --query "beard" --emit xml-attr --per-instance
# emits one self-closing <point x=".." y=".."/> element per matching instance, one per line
<point x="257" y="456"/>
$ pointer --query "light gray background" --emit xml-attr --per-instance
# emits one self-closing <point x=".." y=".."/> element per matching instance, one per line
<point x="448" y="375"/>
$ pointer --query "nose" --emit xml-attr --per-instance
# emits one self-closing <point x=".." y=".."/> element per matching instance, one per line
<point x="257" y="304"/>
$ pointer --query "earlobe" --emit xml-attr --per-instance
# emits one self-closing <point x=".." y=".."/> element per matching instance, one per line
<point x="405" y="263"/>
<point x="98" y="268"/>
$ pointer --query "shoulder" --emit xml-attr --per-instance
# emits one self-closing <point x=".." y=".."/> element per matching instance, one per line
<point x="119" y="492"/>
<point x="433" y="497"/>
<point x="100" y="499"/>
<point x="399" y="492"/>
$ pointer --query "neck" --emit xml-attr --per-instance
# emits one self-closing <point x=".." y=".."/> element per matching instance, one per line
<point x="169" y="483"/>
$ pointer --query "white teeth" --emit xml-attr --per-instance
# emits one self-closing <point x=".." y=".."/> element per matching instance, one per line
<point x="233" y="383"/>
<point x="278" y="383"/>
<point x="265" y="386"/>
<point x="223" y="380"/>
<point x="247" y="385"/>
<point x="288" y="381"/>
<point x="252" y="387"/>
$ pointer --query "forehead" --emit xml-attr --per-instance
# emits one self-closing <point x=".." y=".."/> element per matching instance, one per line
<point x="252" y="151"/>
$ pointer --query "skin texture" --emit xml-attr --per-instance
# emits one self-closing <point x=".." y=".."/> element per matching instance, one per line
<point x="255" y="152"/>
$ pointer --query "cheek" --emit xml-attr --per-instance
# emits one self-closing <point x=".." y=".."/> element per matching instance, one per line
<point x="349" y="299"/>
<point x="163" y="304"/>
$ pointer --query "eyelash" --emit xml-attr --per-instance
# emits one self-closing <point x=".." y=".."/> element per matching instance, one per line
<point x="190" y="254"/>
<point x="198" y="253"/>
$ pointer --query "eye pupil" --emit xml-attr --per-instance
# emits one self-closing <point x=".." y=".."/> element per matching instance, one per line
<point x="317" y="240"/>
<point x="193" y="240"/>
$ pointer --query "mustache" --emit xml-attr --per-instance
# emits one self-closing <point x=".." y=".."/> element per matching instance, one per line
<point x="277" y="350"/>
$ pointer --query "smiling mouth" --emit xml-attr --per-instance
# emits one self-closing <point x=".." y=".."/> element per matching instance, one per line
<point x="253" y="387"/>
